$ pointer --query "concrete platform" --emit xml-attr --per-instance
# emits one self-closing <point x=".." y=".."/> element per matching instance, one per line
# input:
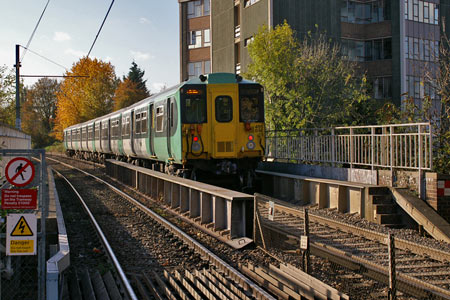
<point x="345" y="196"/>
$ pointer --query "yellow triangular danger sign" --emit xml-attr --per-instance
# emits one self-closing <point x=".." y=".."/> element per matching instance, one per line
<point x="22" y="228"/>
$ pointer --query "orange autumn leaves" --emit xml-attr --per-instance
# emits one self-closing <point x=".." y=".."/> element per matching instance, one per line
<point x="84" y="98"/>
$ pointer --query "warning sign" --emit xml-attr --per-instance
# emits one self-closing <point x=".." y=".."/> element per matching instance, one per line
<point x="19" y="171"/>
<point x="22" y="228"/>
<point x="21" y="234"/>
<point x="19" y="199"/>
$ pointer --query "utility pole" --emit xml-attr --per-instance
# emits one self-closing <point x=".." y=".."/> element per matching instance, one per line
<point x="17" y="66"/>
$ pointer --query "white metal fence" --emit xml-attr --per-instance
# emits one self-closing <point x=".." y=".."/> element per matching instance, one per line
<point x="407" y="146"/>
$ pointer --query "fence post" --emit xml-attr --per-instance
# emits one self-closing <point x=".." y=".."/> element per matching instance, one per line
<point x="420" y="179"/>
<point x="372" y="146"/>
<point x="333" y="148"/>
<point x="391" y="149"/>
<point x="304" y="243"/>
<point x="352" y="152"/>
<point x="392" y="293"/>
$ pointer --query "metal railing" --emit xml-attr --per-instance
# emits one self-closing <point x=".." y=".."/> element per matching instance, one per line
<point x="406" y="146"/>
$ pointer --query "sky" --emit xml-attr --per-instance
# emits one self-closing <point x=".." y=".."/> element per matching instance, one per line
<point x="146" y="31"/>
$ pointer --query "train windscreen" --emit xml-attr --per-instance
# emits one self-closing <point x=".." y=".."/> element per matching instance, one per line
<point x="193" y="104"/>
<point x="251" y="103"/>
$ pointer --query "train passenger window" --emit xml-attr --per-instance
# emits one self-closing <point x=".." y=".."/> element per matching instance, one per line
<point x="97" y="131"/>
<point x="90" y="133"/>
<point x="251" y="104"/>
<point x="137" y="123"/>
<point x="159" y="118"/>
<point x="104" y="131"/>
<point x="144" y="122"/>
<point x="224" y="109"/>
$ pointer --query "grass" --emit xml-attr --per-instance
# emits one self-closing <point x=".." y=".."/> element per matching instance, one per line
<point x="56" y="147"/>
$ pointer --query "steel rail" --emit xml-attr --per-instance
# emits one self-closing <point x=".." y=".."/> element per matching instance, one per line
<point x="104" y="240"/>
<point x="408" y="284"/>
<point x="367" y="233"/>
<point x="258" y="292"/>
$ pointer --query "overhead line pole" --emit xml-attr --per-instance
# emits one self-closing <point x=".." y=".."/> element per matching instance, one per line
<point x="17" y="66"/>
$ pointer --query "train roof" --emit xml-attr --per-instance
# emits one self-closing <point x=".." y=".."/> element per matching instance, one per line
<point x="213" y="78"/>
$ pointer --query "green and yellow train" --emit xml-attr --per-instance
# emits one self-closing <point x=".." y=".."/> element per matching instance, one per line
<point x="211" y="124"/>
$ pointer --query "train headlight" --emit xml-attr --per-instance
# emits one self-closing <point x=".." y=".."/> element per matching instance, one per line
<point x="195" y="144"/>
<point x="251" y="144"/>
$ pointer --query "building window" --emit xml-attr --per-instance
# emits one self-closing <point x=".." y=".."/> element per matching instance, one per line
<point x="248" y="41"/>
<point x="367" y="50"/>
<point x="382" y="88"/>
<point x="419" y="49"/>
<point x="207" y="38"/>
<point x="195" y="39"/>
<point x="207" y="67"/>
<point x="365" y="12"/>
<point x="206" y="8"/>
<point x="419" y="88"/>
<point x="247" y="3"/>
<point x="422" y="11"/>
<point x="195" y="69"/>
<point x="198" y="8"/>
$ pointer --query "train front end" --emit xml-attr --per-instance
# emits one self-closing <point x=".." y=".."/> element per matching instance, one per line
<point x="223" y="125"/>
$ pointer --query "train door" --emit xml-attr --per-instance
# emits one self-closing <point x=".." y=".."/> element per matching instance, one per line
<point x="169" y="125"/>
<point x="224" y="119"/>
<point x="151" y="130"/>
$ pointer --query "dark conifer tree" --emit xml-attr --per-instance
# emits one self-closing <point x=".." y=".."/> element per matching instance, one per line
<point x="136" y="75"/>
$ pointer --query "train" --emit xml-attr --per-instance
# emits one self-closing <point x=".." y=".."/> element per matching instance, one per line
<point x="211" y="125"/>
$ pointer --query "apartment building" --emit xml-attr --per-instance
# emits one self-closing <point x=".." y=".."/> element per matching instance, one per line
<point x="395" y="42"/>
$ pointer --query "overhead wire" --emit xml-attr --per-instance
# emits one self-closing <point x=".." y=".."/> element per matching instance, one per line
<point x="98" y="33"/>
<point x="41" y="56"/>
<point x="34" y="31"/>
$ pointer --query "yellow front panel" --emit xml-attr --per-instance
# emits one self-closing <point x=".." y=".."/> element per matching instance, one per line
<point x="223" y="134"/>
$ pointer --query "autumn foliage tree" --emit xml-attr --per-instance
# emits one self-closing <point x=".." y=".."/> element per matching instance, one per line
<point x="39" y="111"/>
<point x="127" y="93"/>
<point x="84" y="98"/>
<point x="131" y="89"/>
<point x="7" y="96"/>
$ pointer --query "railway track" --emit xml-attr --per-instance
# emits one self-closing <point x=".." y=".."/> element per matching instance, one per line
<point x="422" y="271"/>
<point x="161" y="260"/>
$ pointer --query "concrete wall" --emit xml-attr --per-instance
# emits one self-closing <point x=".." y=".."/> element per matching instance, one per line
<point x="222" y="34"/>
<point x="438" y="193"/>
<point x="344" y="174"/>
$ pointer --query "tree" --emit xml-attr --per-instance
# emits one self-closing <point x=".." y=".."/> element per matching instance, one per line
<point x="435" y="80"/>
<point x="39" y="111"/>
<point x="308" y="83"/>
<point x="127" y="93"/>
<point x="136" y="75"/>
<point x="85" y="98"/>
<point x="7" y="96"/>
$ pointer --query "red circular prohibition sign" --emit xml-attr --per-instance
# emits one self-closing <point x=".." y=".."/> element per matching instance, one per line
<point x="17" y="178"/>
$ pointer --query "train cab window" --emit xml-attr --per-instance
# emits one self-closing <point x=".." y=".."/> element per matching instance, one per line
<point x="160" y="118"/>
<point x="193" y="104"/>
<point x="224" y="109"/>
<point x="144" y="122"/>
<point x="251" y="103"/>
